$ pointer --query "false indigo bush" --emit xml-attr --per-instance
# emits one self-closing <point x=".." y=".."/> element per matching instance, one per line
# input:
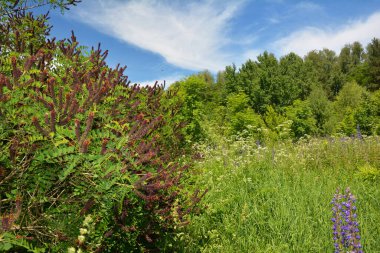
<point x="346" y="228"/>
<point x="77" y="134"/>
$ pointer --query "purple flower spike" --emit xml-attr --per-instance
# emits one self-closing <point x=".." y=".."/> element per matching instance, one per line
<point x="345" y="226"/>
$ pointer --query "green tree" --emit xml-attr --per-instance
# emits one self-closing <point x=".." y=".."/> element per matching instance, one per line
<point x="345" y="59"/>
<point x="14" y="6"/>
<point x="367" y="114"/>
<point x="351" y="56"/>
<point x="292" y="84"/>
<point x="347" y="101"/>
<point x="373" y="61"/>
<point x="349" y="97"/>
<point x="248" y="81"/>
<point x="277" y="124"/>
<point x="321" y="108"/>
<point x="221" y="78"/>
<point x="230" y="75"/>
<point x="353" y="65"/>
<point x="268" y="72"/>
<point x="241" y="118"/>
<point x="261" y="82"/>
<point x="322" y="68"/>
<point x="303" y="122"/>
<point x="194" y="92"/>
<point x="357" y="53"/>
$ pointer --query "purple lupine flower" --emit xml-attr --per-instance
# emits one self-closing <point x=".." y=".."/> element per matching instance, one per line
<point x="358" y="132"/>
<point x="345" y="226"/>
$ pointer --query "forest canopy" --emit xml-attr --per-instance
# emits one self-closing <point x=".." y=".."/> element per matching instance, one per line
<point x="321" y="94"/>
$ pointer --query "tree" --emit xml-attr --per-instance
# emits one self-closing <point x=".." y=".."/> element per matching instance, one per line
<point x="352" y="64"/>
<point x="18" y="6"/>
<point x="357" y="53"/>
<point x="351" y="56"/>
<point x="349" y="97"/>
<point x="347" y="101"/>
<point x="322" y="68"/>
<point x="195" y="94"/>
<point x="268" y="81"/>
<point x="259" y="81"/>
<point x="373" y="61"/>
<point x="292" y="83"/>
<point x="367" y="114"/>
<point x="248" y="81"/>
<point x="321" y="108"/>
<point x="303" y="122"/>
<point x="221" y="78"/>
<point x="278" y="125"/>
<point x="242" y="120"/>
<point x="345" y="59"/>
<point x="231" y="80"/>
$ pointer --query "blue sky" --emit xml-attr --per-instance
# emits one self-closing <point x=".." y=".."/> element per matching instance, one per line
<point x="170" y="39"/>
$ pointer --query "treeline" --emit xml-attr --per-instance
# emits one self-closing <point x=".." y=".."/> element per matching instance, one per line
<point x="271" y="99"/>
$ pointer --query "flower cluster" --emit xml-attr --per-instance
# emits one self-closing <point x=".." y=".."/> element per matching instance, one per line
<point x="83" y="231"/>
<point x="346" y="228"/>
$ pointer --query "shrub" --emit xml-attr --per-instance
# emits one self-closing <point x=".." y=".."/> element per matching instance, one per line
<point x="303" y="122"/>
<point x="76" y="139"/>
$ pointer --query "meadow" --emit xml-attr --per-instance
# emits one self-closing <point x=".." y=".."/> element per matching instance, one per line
<point x="232" y="161"/>
<point x="277" y="198"/>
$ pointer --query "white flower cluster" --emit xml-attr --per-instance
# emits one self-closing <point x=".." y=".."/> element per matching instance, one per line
<point x="83" y="231"/>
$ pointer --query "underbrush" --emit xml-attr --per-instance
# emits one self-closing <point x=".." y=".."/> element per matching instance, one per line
<point x="278" y="198"/>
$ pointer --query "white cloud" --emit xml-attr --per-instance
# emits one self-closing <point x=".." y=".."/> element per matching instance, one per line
<point x="274" y="20"/>
<point x="275" y="1"/>
<point x="168" y="80"/>
<point x="311" y="38"/>
<point x="308" y="6"/>
<point x="251" y="54"/>
<point x="190" y="35"/>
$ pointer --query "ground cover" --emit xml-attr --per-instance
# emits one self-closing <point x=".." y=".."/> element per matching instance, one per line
<point x="278" y="198"/>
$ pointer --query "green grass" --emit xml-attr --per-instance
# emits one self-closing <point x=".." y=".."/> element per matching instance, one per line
<point x="277" y="199"/>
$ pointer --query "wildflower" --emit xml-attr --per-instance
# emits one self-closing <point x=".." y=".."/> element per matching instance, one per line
<point x="83" y="231"/>
<point x="71" y="250"/>
<point x="81" y="239"/>
<point x="345" y="226"/>
<point x="87" y="221"/>
<point x="358" y="133"/>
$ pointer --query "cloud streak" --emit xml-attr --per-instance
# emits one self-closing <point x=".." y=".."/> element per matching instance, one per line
<point x="307" y="6"/>
<point x="311" y="38"/>
<point x="189" y="35"/>
<point x="168" y="80"/>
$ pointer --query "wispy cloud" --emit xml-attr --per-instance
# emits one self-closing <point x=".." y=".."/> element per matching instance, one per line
<point x="251" y="54"/>
<point x="274" y="20"/>
<point x="167" y="80"/>
<point x="191" y="35"/>
<point x="310" y="38"/>
<point x="275" y="1"/>
<point x="308" y="6"/>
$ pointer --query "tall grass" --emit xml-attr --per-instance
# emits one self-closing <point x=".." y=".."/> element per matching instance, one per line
<point x="277" y="199"/>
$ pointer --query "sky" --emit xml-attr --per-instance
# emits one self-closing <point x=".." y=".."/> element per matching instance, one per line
<point x="170" y="39"/>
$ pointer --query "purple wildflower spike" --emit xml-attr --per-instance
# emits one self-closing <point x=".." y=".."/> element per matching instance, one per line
<point x="345" y="226"/>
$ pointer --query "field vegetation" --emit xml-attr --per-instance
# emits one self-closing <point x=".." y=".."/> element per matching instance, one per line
<point x="277" y="198"/>
<point x="254" y="160"/>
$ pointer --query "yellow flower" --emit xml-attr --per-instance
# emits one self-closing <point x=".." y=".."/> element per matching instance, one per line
<point x="83" y="231"/>
<point x="81" y="239"/>
<point x="71" y="250"/>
